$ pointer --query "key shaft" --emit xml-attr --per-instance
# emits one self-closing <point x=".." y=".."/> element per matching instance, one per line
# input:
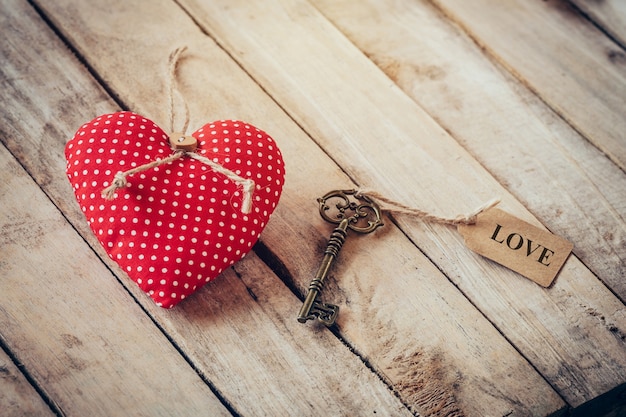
<point x="307" y="312"/>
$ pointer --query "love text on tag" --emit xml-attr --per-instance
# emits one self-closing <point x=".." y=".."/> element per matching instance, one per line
<point x="526" y="249"/>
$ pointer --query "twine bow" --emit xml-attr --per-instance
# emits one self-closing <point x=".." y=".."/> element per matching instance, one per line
<point x="119" y="179"/>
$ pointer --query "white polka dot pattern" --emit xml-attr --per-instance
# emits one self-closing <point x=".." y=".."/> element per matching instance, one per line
<point x="177" y="226"/>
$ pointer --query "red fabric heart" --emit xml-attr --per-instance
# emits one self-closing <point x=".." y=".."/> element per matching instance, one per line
<point x="177" y="226"/>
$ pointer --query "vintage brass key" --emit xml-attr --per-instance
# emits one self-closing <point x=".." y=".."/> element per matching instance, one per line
<point x="362" y="216"/>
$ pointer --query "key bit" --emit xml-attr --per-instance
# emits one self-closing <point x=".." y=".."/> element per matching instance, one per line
<point x="362" y="216"/>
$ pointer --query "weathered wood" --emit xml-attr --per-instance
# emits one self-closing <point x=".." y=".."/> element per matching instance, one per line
<point x="561" y="56"/>
<point x="17" y="397"/>
<point x="217" y="332"/>
<point x="56" y="317"/>
<point x="351" y="109"/>
<point x="446" y="359"/>
<point x="610" y="15"/>
<point x="255" y="354"/>
<point x="546" y="164"/>
<point x="196" y="74"/>
<point x="241" y="332"/>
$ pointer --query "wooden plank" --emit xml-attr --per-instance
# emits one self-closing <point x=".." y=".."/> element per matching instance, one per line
<point x="445" y="360"/>
<point x="352" y="109"/>
<point x="241" y="332"/>
<point x="568" y="62"/>
<point x="538" y="157"/>
<point x="17" y="397"/>
<point x="257" y="356"/>
<point x="610" y="15"/>
<point x="56" y="321"/>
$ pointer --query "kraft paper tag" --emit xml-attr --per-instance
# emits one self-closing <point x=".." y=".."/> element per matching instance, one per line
<point x="533" y="252"/>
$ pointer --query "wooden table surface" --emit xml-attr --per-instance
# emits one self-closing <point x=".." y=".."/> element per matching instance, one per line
<point x="441" y="105"/>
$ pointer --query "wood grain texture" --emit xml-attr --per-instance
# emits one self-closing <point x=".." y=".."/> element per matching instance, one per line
<point x="232" y="338"/>
<point x="568" y="62"/>
<point x="567" y="183"/>
<point x="351" y="113"/>
<point x="18" y="398"/>
<point x="241" y="332"/>
<point x="399" y="312"/>
<point x="57" y="321"/>
<point x="431" y="374"/>
<point x="610" y="15"/>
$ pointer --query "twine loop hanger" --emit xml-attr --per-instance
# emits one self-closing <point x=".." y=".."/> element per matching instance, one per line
<point x="182" y="145"/>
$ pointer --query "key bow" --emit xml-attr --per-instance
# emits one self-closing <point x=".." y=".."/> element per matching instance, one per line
<point x="364" y="210"/>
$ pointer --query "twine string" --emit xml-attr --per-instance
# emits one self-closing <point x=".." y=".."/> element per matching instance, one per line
<point x="119" y="179"/>
<point x="247" y="185"/>
<point x="391" y="206"/>
<point x="173" y="63"/>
